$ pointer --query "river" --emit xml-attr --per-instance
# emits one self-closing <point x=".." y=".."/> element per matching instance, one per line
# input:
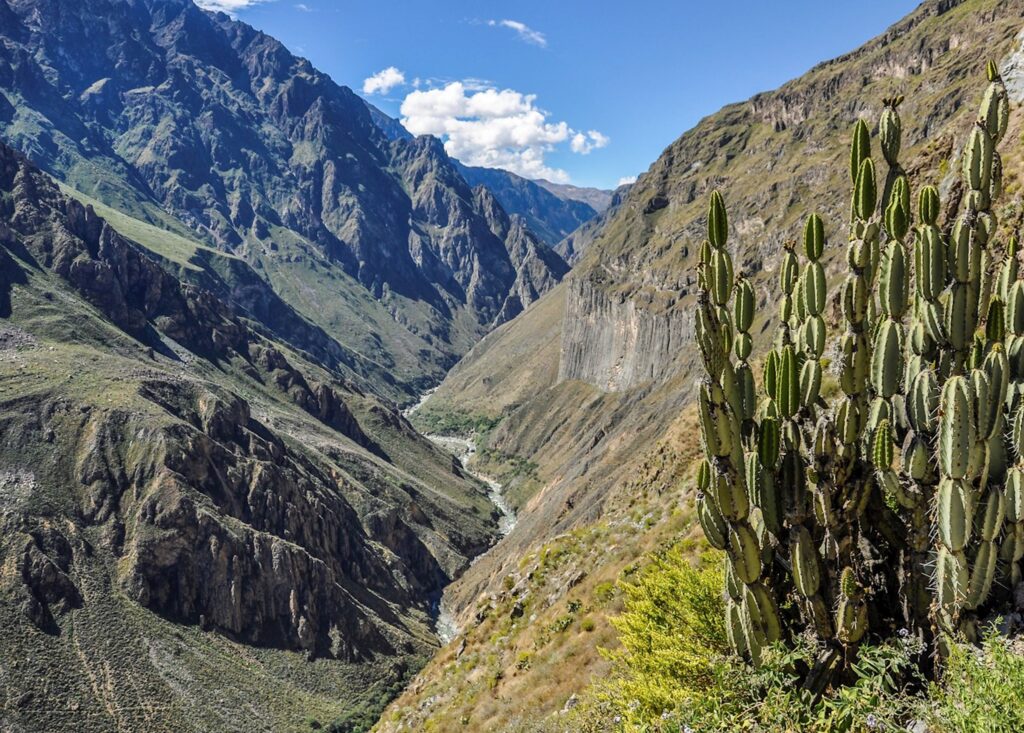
<point x="464" y="449"/>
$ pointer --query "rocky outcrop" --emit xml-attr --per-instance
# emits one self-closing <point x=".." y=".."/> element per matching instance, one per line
<point x="537" y="267"/>
<point x="45" y="560"/>
<point x="281" y="561"/>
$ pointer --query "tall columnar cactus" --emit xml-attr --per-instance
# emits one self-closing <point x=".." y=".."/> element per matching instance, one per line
<point x="901" y="504"/>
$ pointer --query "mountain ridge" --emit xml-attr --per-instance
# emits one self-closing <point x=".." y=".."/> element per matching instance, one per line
<point x="165" y="466"/>
<point x="255" y="152"/>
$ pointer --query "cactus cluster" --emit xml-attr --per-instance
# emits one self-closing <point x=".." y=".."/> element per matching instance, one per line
<point x="899" y="504"/>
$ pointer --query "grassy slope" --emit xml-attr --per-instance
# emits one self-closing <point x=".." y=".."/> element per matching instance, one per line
<point x="390" y="356"/>
<point x="507" y="366"/>
<point x="532" y="639"/>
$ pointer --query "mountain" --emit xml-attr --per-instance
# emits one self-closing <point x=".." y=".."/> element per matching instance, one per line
<point x="589" y="391"/>
<point x="550" y="216"/>
<point x="392" y="128"/>
<point x="596" y="198"/>
<point x="218" y="276"/>
<point x="198" y="124"/>
<point x="193" y="506"/>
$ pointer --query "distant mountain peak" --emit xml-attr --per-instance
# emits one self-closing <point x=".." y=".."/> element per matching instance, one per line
<point x="598" y="199"/>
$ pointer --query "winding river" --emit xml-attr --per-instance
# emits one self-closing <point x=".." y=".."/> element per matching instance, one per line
<point x="463" y="449"/>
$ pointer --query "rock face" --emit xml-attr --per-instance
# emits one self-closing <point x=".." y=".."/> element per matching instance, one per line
<point x="617" y="343"/>
<point x="255" y="152"/>
<point x="160" y="456"/>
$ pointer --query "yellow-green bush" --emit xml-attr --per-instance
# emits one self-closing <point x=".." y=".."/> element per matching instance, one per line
<point x="672" y="640"/>
<point x="674" y="673"/>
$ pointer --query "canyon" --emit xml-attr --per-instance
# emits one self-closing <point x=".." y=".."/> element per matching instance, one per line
<point x="306" y="425"/>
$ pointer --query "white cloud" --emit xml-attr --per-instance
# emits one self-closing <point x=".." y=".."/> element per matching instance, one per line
<point x="584" y="142"/>
<point x="303" y="7"/>
<point x="227" y="6"/>
<point x="383" y="81"/>
<point x="493" y="128"/>
<point x="525" y="32"/>
<point x="626" y="180"/>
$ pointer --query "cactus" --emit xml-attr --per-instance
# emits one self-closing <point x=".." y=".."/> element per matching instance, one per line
<point x="901" y="503"/>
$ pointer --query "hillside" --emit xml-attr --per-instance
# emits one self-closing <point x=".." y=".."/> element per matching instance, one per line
<point x="200" y="125"/>
<point x="585" y="416"/>
<point x="241" y="517"/>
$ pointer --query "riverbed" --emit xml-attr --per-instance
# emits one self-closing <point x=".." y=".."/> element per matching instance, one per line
<point x="464" y="449"/>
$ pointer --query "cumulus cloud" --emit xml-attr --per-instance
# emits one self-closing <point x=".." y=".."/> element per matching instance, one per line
<point x="227" y="6"/>
<point x="525" y="32"/>
<point x="383" y="81"/>
<point x="584" y="142"/>
<point x="627" y="180"/>
<point x="493" y="128"/>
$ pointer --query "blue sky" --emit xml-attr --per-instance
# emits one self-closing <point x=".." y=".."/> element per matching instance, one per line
<point x="585" y="92"/>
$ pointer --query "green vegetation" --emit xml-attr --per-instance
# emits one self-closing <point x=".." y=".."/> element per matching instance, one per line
<point x="453" y="422"/>
<point x="980" y="689"/>
<point x="675" y="672"/>
<point x="671" y="631"/>
<point x="804" y="494"/>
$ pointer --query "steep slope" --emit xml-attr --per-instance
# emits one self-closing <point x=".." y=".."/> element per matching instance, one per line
<point x="585" y="417"/>
<point x="549" y="216"/>
<point x="155" y="104"/>
<point x="202" y="528"/>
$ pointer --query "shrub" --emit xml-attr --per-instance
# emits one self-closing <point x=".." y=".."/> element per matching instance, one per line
<point x="672" y="632"/>
<point x="604" y="592"/>
<point x="982" y="690"/>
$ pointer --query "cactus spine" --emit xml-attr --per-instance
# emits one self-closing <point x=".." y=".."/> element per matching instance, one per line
<point x="899" y="504"/>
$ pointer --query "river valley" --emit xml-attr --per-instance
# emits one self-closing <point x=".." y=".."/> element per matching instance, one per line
<point x="464" y="449"/>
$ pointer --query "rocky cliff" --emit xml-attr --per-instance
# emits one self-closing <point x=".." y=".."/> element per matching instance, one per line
<point x="194" y="121"/>
<point x="615" y="342"/>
